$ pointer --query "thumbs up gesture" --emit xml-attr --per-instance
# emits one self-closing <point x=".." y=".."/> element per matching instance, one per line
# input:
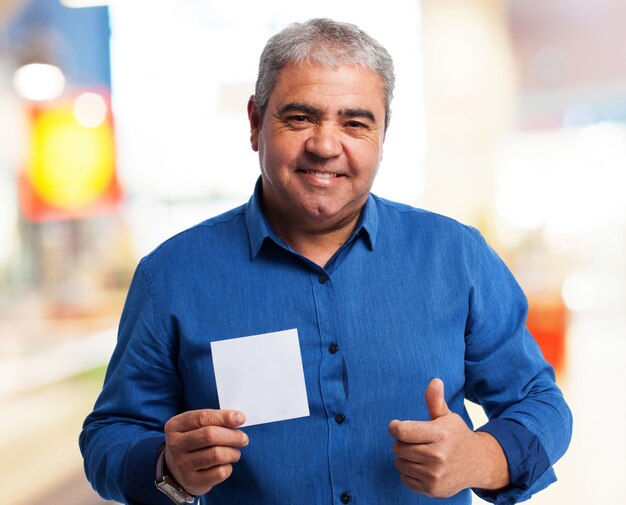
<point x="443" y="456"/>
<point x="435" y="400"/>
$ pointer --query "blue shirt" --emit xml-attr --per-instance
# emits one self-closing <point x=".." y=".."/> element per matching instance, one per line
<point x="410" y="296"/>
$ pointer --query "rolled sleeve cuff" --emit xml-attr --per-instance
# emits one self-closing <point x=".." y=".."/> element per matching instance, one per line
<point x="530" y="470"/>
<point x="140" y="472"/>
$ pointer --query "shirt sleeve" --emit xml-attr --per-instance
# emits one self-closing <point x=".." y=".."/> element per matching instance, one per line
<point x="121" y="437"/>
<point x="507" y="375"/>
<point x="526" y="457"/>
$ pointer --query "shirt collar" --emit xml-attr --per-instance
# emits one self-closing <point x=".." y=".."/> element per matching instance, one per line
<point x="259" y="229"/>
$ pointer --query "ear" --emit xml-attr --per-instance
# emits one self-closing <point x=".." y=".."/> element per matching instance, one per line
<point x="255" y="123"/>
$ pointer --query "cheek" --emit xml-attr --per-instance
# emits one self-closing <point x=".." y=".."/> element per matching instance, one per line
<point x="367" y="158"/>
<point x="284" y="153"/>
<point x="274" y="158"/>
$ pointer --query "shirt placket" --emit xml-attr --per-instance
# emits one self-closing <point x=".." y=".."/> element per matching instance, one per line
<point x="334" y="395"/>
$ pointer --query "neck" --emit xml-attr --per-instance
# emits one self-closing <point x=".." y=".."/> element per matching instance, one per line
<point x="315" y="245"/>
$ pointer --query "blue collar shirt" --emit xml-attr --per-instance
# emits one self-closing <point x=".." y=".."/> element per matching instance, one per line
<point x="410" y="296"/>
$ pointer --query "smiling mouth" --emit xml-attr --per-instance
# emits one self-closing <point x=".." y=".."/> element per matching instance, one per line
<point x="321" y="175"/>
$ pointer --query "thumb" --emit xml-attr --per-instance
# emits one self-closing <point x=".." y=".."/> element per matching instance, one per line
<point x="435" y="401"/>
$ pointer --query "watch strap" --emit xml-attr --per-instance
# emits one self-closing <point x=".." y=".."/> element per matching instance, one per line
<point x="168" y="485"/>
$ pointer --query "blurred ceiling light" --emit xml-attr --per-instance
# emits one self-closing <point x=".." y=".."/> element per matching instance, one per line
<point x="90" y="109"/>
<point x="78" y="4"/>
<point x="39" y="81"/>
<point x="579" y="291"/>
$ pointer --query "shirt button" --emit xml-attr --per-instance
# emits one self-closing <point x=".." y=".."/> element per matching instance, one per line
<point x="346" y="498"/>
<point x="340" y="418"/>
<point x="322" y="278"/>
<point x="333" y="348"/>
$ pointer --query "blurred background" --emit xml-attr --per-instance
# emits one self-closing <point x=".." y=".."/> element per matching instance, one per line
<point x="122" y="123"/>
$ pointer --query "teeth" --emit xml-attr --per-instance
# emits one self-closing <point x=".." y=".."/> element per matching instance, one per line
<point x="323" y="175"/>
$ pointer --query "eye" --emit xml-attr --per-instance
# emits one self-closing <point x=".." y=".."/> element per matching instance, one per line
<point x="298" y="119"/>
<point x="355" y="125"/>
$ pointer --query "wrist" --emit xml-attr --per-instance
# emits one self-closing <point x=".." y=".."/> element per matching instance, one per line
<point x="492" y="466"/>
<point x="168" y="484"/>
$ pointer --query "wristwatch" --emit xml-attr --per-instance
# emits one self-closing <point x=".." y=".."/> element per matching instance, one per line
<point x="168" y="486"/>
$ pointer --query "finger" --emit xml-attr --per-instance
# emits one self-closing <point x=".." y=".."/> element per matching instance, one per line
<point x="201" y="482"/>
<point x="435" y="400"/>
<point x="216" y="474"/>
<point x="423" y="454"/>
<point x="409" y="468"/>
<point x="425" y="481"/>
<point x="207" y="436"/>
<point x="412" y="483"/>
<point x="210" y="457"/>
<point x="415" y="432"/>
<point x="194" y="419"/>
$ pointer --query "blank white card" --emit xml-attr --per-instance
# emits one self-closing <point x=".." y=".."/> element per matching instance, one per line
<point x="262" y="376"/>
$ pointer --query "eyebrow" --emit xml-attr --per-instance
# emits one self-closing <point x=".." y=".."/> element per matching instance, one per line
<point x="300" y="107"/>
<point x="314" y="111"/>
<point x="361" y="113"/>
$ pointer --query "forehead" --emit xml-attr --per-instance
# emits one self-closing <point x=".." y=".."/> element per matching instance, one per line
<point x="329" y="88"/>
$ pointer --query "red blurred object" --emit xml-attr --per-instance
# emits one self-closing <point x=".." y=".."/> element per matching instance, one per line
<point x="547" y="322"/>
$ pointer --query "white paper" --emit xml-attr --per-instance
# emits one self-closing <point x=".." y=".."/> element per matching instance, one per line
<point x="262" y="376"/>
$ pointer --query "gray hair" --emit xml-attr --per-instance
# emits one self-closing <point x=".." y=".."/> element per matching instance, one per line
<point x="329" y="43"/>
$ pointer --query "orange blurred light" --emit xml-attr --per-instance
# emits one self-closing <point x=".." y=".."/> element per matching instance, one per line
<point x="547" y="322"/>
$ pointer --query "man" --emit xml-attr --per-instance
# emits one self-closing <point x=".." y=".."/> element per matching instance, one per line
<point x="401" y="315"/>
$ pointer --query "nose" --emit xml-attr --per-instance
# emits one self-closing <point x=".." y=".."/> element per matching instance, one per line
<point x="324" y="142"/>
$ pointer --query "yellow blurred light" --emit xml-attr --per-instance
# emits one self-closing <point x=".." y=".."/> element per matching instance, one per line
<point x="39" y="81"/>
<point x="90" y="109"/>
<point x="71" y="165"/>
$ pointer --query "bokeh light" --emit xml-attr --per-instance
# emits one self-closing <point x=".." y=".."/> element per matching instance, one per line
<point x="71" y="165"/>
<point x="39" y="81"/>
<point x="90" y="109"/>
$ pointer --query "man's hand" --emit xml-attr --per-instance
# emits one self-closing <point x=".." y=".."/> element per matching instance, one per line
<point x="443" y="456"/>
<point x="201" y="446"/>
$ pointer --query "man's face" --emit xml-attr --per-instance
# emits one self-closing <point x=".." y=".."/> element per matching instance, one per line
<point x="320" y="144"/>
